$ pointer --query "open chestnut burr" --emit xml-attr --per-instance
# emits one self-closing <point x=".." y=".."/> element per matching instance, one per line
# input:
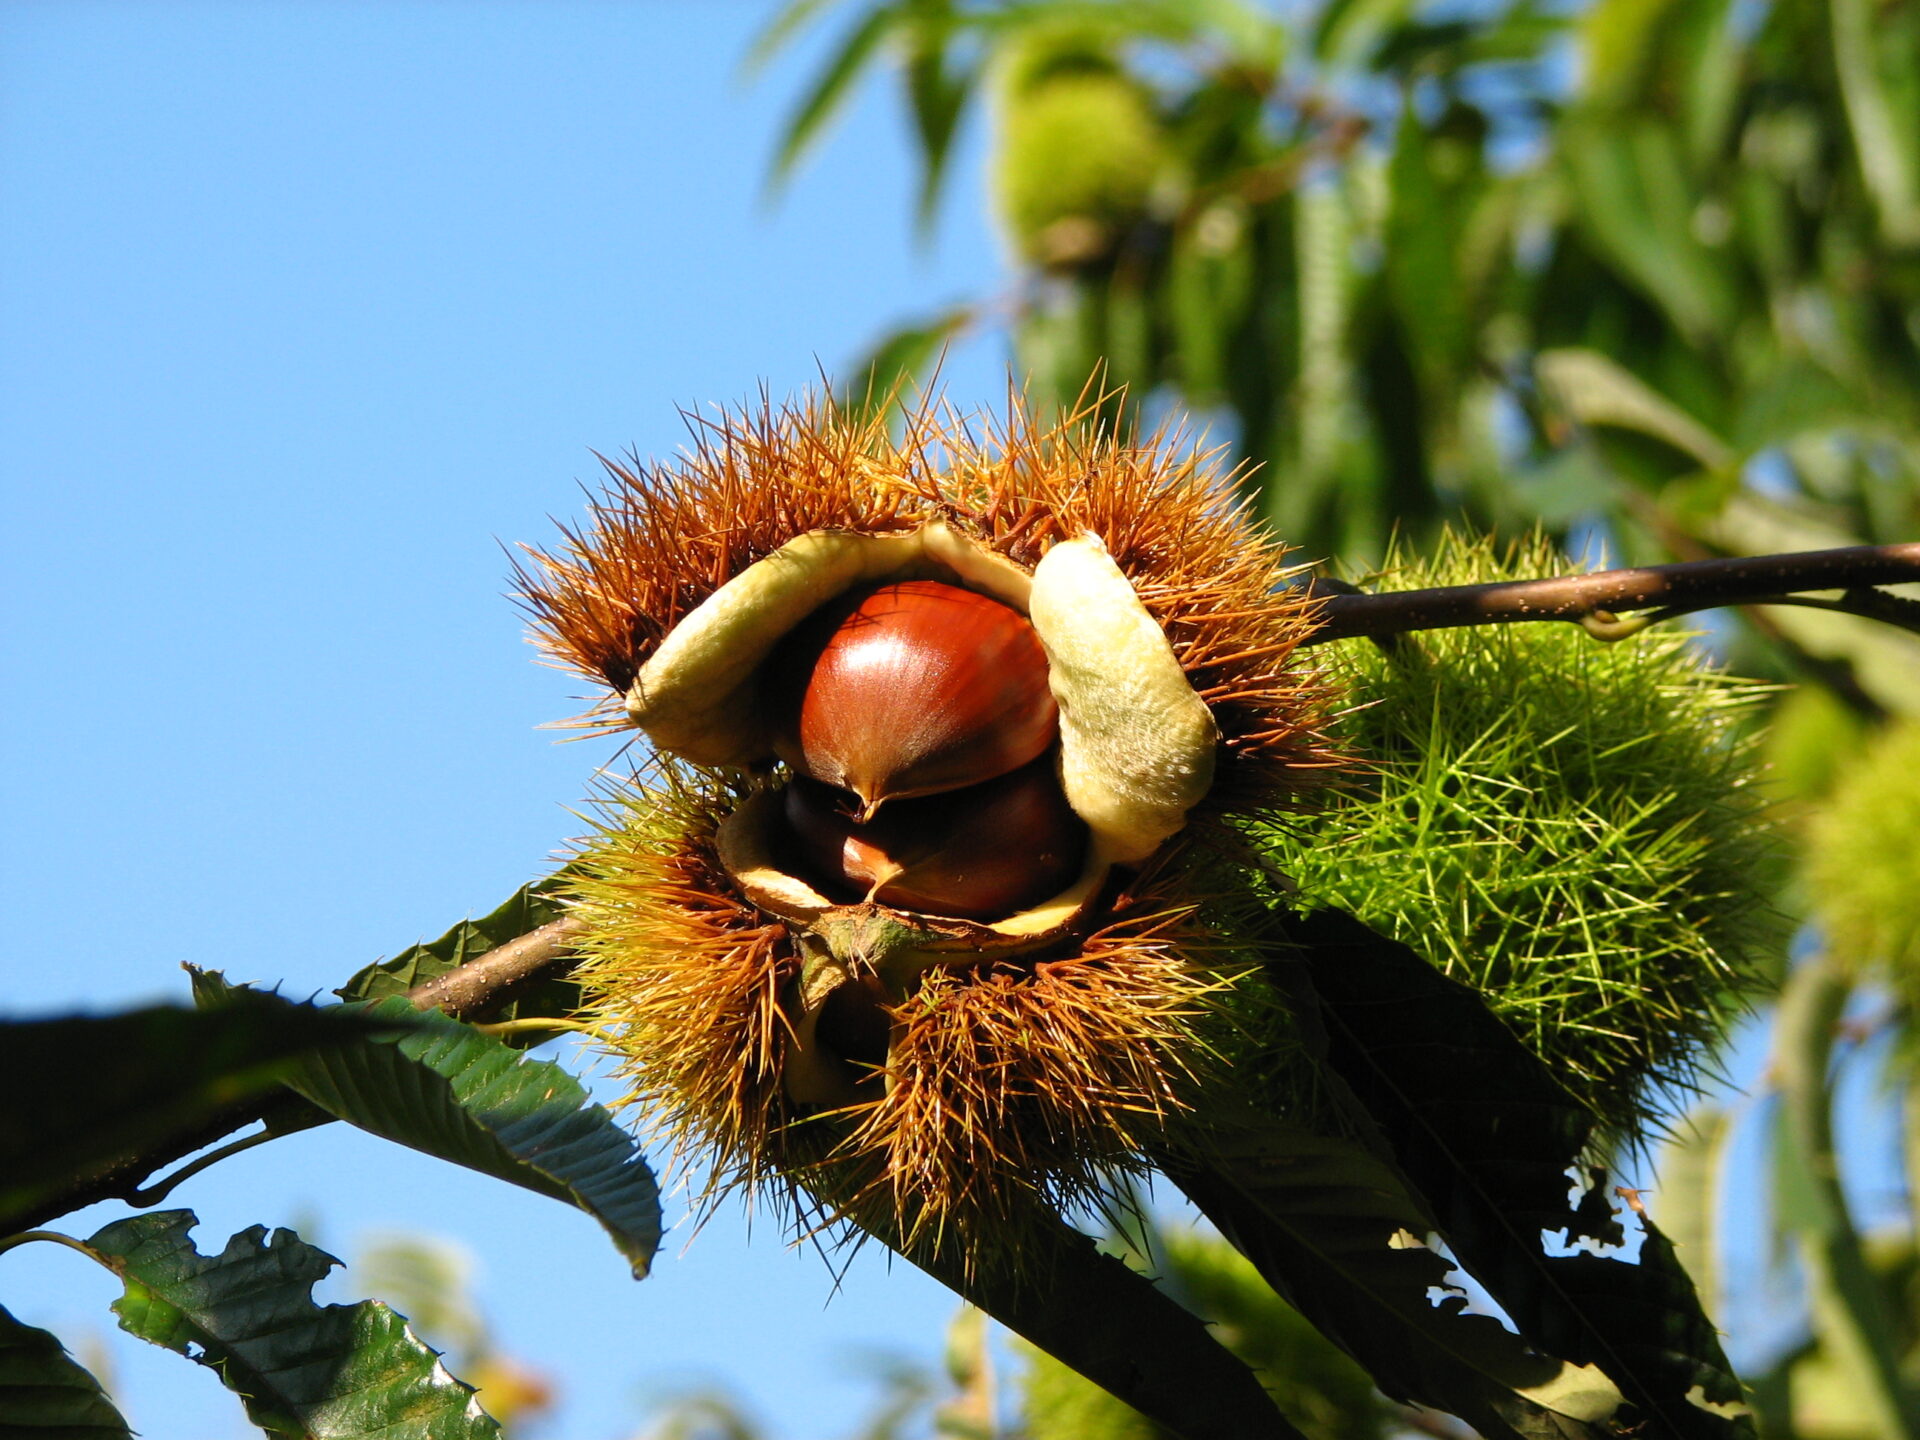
<point x="892" y="1018"/>
<point x="911" y="688"/>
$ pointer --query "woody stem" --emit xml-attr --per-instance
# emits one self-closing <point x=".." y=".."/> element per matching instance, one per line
<point x="1595" y="600"/>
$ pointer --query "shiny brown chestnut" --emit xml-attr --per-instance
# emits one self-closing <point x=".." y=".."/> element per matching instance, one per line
<point x="980" y="853"/>
<point x="910" y="689"/>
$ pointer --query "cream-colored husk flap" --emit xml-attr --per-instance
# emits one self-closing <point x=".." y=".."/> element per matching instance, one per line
<point x="1136" y="743"/>
<point x="695" y="696"/>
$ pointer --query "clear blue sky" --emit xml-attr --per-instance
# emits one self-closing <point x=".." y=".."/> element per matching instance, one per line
<point x="305" y="310"/>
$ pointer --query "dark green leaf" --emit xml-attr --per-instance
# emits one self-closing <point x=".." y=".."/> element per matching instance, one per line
<point x="448" y="1090"/>
<point x="1333" y="1230"/>
<point x="937" y="95"/>
<point x="46" y="1395"/>
<point x="1128" y="350"/>
<point x="303" y="1372"/>
<point x="526" y="910"/>
<point x="1059" y="344"/>
<point x="1486" y="1136"/>
<point x="1347" y="31"/>
<point x="1424" y="224"/>
<point x="1320" y="1386"/>
<point x="82" y="1091"/>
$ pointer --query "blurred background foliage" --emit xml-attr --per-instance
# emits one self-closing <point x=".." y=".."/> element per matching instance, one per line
<point x="430" y="1282"/>
<point x="1643" y="274"/>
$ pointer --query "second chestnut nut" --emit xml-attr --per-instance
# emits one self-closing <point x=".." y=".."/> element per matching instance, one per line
<point x="978" y="853"/>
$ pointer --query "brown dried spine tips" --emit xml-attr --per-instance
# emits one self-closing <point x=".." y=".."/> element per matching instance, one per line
<point x="910" y="689"/>
<point x="982" y="853"/>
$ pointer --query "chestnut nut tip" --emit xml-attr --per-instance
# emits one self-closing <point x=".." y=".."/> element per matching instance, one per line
<point x="909" y="689"/>
<point x="981" y="853"/>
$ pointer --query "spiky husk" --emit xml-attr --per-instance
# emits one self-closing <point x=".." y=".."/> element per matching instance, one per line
<point x="1013" y="1089"/>
<point x="1571" y="827"/>
<point x="1863" y="861"/>
<point x="661" y="539"/>
<point x="685" y="973"/>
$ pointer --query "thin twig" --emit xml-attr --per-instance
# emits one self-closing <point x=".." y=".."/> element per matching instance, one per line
<point x="1689" y="585"/>
<point x="148" y="1196"/>
<point x="1835" y="672"/>
<point x="472" y="991"/>
<point x="1895" y="610"/>
<point x="122" y="1177"/>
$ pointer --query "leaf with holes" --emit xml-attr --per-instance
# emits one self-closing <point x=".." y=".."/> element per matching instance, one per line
<point x="1331" y="1227"/>
<point x="334" y="1373"/>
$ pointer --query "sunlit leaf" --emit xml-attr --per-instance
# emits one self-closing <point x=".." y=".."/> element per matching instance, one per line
<point x="447" y="1089"/>
<point x="523" y="912"/>
<point x="1596" y="390"/>
<point x="1621" y="40"/>
<point x="1689" y="1173"/>
<point x="303" y="1372"/>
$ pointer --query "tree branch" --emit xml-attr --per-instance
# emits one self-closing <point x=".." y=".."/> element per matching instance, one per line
<point x="477" y="988"/>
<point x="1667" y="589"/>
